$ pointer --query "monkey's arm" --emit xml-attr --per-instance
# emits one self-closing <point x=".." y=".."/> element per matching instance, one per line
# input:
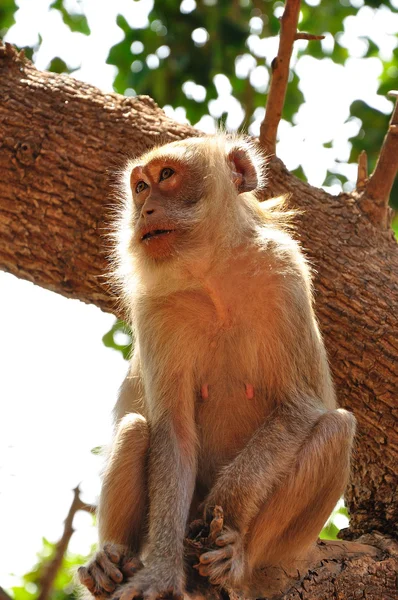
<point x="172" y="473"/>
<point x="171" y="480"/>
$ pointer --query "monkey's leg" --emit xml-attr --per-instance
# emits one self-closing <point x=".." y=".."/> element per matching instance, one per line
<point x="122" y="510"/>
<point x="293" y="512"/>
<point x="291" y="520"/>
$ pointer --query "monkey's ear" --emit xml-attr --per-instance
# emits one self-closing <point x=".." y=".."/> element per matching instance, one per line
<point x="244" y="172"/>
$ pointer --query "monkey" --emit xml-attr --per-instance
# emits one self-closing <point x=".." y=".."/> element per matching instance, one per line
<point x="229" y="400"/>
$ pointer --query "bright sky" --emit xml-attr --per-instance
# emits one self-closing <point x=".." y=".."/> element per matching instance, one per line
<point x="59" y="382"/>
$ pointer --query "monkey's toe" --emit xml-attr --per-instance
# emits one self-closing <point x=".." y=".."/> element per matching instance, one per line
<point x="224" y="564"/>
<point x="130" y="566"/>
<point x="217" y="572"/>
<point x="132" y="592"/>
<point x="215" y="556"/>
<point x="109" y="568"/>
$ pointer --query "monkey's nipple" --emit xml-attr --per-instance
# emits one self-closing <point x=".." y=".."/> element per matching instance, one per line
<point x="204" y="391"/>
<point x="249" y="391"/>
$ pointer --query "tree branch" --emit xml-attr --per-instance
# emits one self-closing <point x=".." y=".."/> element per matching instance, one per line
<point x="280" y="75"/>
<point x="330" y="570"/>
<point x="47" y="580"/>
<point x="362" y="176"/>
<point x="376" y="193"/>
<point x="4" y="595"/>
<point x="58" y="139"/>
<point x="308" y="36"/>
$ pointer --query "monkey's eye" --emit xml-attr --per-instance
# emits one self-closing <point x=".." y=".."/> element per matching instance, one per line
<point x="166" y="173"/>
<point x="140" y="187"/>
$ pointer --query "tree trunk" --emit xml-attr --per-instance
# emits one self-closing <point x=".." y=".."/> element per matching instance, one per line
<point x="61" y="141"/>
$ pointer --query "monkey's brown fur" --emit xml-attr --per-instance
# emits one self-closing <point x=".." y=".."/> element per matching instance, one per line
<point x="229" y="399"/>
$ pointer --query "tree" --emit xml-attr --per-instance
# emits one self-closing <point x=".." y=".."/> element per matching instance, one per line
<point x="60" y="137"/>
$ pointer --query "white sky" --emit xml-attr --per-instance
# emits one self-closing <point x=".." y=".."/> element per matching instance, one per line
<point x="58" y="382"/>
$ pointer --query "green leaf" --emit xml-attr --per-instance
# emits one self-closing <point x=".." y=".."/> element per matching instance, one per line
<point x="395" y="226"/>
<point x="75" y="22"/>
<point x="7" y="12"/>
<point x="299" y="173"/>
<point x="109" y="339"/>
<point x="57" y="65"/>
<point x="329" y="532"/>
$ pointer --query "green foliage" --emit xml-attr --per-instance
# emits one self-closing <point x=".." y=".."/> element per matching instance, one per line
<point x="7" y="11"/>
<point x="330" y="531"/>
<point x="112" y="338"/>
<point x="75" y="21"/>
<point x="395" y="226"/>
<point x="64" y="586"/>
<point x="227" y="28"/>
<point x="57" y="65"/>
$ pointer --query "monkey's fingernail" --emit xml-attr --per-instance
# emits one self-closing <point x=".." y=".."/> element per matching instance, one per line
<point x="85" y="578"/>
<point x="113" y="554"/>
<point x="204" y="559"/>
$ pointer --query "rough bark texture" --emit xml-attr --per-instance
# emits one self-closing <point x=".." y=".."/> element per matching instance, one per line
<point x="59" y="138"/>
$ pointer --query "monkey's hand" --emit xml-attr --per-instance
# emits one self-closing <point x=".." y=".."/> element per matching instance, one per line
<point x="155" y="581"/>
<point x="109" y="568"/>
<point x="225" y="564"/>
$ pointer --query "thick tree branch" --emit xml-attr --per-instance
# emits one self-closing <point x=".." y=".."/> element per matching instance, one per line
<point x="332" y="569"/>
<point x="376" y="193"/>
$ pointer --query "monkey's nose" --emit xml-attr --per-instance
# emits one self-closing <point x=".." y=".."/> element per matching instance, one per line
<point x="148" y="211"/>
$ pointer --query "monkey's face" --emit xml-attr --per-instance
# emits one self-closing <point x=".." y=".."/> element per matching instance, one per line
<point x="186" y="196"/>
<point x="164" y="204"/>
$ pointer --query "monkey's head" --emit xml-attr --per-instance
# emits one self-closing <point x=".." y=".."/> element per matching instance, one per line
<point x="188" y="200"/>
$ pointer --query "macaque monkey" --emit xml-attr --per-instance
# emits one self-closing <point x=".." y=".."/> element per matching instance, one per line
<point x="229" y="400"/>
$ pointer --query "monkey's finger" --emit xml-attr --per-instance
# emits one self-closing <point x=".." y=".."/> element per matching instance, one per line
<point x="103" y="582"/>
<point x="129" y="593"/>
<point x="170" y="594"/>
<point x="86" y="579"/>
<point x="219" y="578"/>
<point x="109" y="568"/>
<point x="216" y="555"/>
<point x="215" y="574"/>
<point x="226" y="538"/>
<point x="130" y="566"/>
<point x="114" y="552"/>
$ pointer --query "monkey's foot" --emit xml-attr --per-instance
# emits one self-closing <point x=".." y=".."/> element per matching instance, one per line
<point x="150" y="583"/>
<point x="225" y="564"/>
<point x="109" y="568"/>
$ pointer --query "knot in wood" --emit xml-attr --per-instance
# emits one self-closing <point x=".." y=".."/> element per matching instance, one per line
<point x="26" y="152"/>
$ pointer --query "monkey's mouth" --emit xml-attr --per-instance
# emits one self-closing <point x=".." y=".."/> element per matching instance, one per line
<point x="155" y="233"/>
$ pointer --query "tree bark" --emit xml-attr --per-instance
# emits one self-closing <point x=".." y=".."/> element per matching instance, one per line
<point x="61" y="142"/>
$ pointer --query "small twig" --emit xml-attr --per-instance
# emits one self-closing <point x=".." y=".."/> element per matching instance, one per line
<point x="308" y="36"/>
<point x="362" y="176"/>
<point x="47" y="580"/>
<point x="4" y="595"/>
<point x="377" y="190"/>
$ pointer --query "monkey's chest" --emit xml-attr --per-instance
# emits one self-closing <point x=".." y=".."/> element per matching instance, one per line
<point x="231" y="404"/>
